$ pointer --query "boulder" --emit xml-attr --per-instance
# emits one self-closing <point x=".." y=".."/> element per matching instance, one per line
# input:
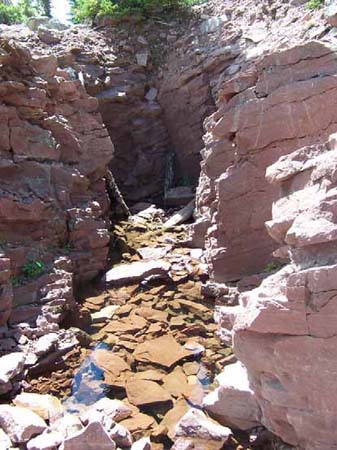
<point x="21" y="424"/>
<point x="10" y="366"/>
<point x="91" y="437"/>
<point x="233" y="403"/>
<point x="196" y="426"/>
<point x="46" y="406"/>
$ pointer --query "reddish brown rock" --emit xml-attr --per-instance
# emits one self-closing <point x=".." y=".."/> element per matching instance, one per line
<point x="285" y="330"/>
<point x="270" y="110"/>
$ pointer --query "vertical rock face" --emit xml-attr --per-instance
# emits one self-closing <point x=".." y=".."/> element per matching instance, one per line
<point x="285" y="330"/>
<point x="54" y="153"/>
<point x="284" y="101"/>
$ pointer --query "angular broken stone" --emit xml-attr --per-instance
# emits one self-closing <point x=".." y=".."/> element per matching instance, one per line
<point x="10" y="366"/>
<point x="49" y="440"/>
<point x="115" y="368"/>
<point x="136" y="271"/>
<point x="21" y="424"/>
<point x="114" y="409"/>
<point x="121" y="435"/>
<point x="195" y="425"/>
<point x="46" y="406"/>
<point x="154" y="351"/>
<point x="92" y="437"/>
<point x="143" y="392"/>
<point x="138" y="423"/>
<point x="104" y="313"/>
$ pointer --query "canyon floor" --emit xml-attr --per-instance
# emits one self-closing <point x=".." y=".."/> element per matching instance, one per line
<point x="148" y="340"/>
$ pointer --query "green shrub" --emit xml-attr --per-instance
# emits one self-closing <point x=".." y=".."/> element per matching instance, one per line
<point x="33" y="269"/>
<point x="90" y="9"/>
<point x="12" y="14"/>
<point x="315" y="4"/>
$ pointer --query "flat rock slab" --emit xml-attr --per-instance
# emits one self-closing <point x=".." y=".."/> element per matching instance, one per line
<point x="21" y="424"/>
<point x="115" y="368"/>
<point x="136" y="271"/>
<point x="164" y="351"/>
<point x="143" y="392"/>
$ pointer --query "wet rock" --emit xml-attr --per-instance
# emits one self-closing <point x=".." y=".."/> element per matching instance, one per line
<point x="130" y="273"/>
<point x="90" y="438"/>
<point x="143" y="392"/>
<point x="21" y="424"/>
<point x="46" y="406"/>
<point x="152" y="351"/>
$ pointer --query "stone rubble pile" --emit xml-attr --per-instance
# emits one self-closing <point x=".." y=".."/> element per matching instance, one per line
<point x="153" y="344"/>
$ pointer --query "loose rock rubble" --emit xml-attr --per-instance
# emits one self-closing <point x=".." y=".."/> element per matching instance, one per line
<point x="159" y="358"/>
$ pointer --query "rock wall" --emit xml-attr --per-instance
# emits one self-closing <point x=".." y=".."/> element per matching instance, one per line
<point x="285" y="330"/>
<point x="115" y="65"/>
<point x="53" y="203"/>
<point x="281" y="102"/>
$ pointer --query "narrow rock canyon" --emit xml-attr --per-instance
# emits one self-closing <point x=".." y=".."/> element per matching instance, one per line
<point x="168" y="230"/>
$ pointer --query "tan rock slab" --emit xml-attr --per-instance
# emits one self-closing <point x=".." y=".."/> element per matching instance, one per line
<point x="152" y="314"/>
<point x="175" y="382"/>
<point x="149" y="375"/>
<point x="164" y="351"/>
<point x="173" y="416"/>
<point x="144" y="392"/>
<point x="138" y="423"/>
<point x="46" y="406"/>
<point x="126" y="325"/>
<point x="115" y="368"/>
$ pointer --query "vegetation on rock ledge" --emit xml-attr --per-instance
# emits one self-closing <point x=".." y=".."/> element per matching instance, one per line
<point x="10" y="14"/>
<point x="91" y="9"/>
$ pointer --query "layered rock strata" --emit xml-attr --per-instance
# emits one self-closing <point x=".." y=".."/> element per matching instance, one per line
<point x="283" y="101"/>
<point x="284" y="332"/>
<point x="54" y="154"/>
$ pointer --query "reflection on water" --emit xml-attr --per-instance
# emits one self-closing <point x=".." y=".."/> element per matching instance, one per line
<point x="88" y="386"/>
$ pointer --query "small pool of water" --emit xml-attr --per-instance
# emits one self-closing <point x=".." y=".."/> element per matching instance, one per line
<point x="88" y="386"/>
